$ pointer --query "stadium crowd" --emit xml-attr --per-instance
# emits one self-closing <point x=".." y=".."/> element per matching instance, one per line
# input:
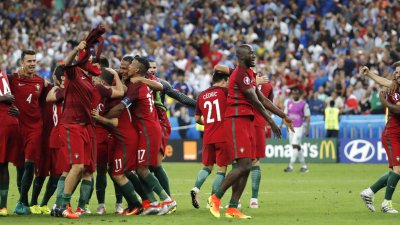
<point x="317" y="45"/>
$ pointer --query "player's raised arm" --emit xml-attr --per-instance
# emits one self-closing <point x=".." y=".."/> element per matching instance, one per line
<point x="154" y="85"/>
<point x="118" y="89"/>
<point x="374" y="76"/>
<point x="71" y="56"/>
<point x="103" y="120"/>
<point x="179" y="96"/>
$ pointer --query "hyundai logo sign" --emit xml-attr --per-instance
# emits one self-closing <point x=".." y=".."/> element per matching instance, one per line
<point x="359" y="151"/>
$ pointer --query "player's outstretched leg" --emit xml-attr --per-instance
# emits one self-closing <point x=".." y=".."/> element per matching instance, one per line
<point x="200" y="179"/>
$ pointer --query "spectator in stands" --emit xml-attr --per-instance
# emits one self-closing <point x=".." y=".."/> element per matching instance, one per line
<point x="332" y="120"/>
<point x="183" y="120"/>
<point x="339" y="103"/>
<point x="316" y="105"/>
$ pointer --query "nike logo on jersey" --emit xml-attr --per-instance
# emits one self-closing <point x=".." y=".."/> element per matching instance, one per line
<point x="83" y="78"/>
<point x="19" y="84"/>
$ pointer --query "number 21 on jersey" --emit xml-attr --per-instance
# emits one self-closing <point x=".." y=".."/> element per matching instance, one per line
<point x="209" y="106"/>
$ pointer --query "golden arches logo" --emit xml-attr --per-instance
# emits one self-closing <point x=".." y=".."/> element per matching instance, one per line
<point x="327" y="147"/>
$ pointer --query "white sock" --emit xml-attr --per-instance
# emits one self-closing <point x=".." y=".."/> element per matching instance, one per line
<point x="293" y="157"/>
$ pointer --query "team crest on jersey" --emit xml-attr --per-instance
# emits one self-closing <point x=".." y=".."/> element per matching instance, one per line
<point x="37" y="87"/>
<point x="246" y="80"/>
<point x="241" y="150"/>
<point x="398" y="158"/>
<point x="76" y="156"/>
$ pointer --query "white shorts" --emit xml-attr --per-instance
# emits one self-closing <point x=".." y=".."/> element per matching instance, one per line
<point x="295" y="138"/>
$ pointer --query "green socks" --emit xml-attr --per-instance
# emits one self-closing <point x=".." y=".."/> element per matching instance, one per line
<point x="391" y="185"/>
<point x="381" y="182"/>
<point x="86" y="186"/>
<point x="101" y="184"/>
<point x="201" y="177"/>
<point x="128" y="192"/>
<point x="20" y="173"/>
<point x="65" y="199"/>
<point x="134" y="179"/>
<point x="162" y="177"/>
<point x="37" y="187"/>
<point x="60" y="190"/>
<point x="50" y="189"/>
<point x="3" y="194"/>
<point x="118" y="194"/>
<point x="154" y="185"/>
<point x="233" y="203"/>
<point x="255" y="181"/>
<point x="219" y="178"/>
<point x="26" y="182"/>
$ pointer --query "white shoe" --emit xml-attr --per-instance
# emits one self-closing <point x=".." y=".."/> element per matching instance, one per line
<point x="194" y="194"/>
<point x="167" y="207"/>
<point x="387" y="207"/>
<point x="368" y="197"/>
<point x="119" y="208"/>
<point x="152" y="209"/>
<point x="101" y="209"/>
<point x="253" y="203"/>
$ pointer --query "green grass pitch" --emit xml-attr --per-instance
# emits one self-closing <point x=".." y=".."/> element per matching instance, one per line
<point x="328" y="194"/>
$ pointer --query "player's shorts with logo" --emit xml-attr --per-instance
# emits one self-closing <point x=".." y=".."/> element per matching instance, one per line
<point x="48" y="161"/>
<point x="216" y="153"/>
<point x="391" y="143"/>
<point x="76" y="146"/>
<point x="10" y="147"/>
<point x="149" y="146"/>
<point x="125" y="151"/>
<point x="239" y="132"/>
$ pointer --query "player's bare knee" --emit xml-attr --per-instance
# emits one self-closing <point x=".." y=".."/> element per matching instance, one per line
<point x="86" y="176"/>
<point x="142" y="171"/>
<point x="221" y="169"/>
<point x="118" y="179"/>
<point x="396" y="169"/>
<point x="210" y="167"/>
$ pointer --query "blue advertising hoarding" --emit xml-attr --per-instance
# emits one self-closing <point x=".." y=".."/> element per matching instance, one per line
<point x="362" y="151"/>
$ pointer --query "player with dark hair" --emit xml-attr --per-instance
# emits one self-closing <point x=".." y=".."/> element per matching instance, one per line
<point x="9" y="138"/>
<point x="28" y="87"/>
<point x="299" y="111"/>
<point x="159" y="98"/>
<point x="390" y="141"/>
<point x="210" y="109"/>
<point x="145" y="120"/>
<point x="105" y="92"/>
<point x="243" y="98"/>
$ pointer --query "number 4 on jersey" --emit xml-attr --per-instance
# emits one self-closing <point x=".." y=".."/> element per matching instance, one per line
<point x="29" y="99"/>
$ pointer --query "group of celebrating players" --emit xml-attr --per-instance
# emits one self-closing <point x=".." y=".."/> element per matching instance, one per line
<point x="115" y="122"/>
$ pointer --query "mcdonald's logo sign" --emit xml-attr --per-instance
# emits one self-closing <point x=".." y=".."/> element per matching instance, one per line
<point x="326" y="149"/>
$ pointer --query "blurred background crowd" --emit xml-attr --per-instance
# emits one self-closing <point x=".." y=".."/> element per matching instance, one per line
<point x="314" y="45"/>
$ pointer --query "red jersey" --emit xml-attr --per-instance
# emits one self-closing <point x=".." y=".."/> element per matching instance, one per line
<point x="47" y="108"/>
<point x="266" y="90"/>
<point x="143" y="110"/>
<point x="240" y="80"/>
<point x="57" y="106"/>
<point x="78" y="97"/>
<point x="124" y="129"/>
<point x="393" y="122"/>
<point x="27" y="94"/>
<point x="100" y="97"/>
<point x="211" y="104"/>
<point x="5" y="118"/>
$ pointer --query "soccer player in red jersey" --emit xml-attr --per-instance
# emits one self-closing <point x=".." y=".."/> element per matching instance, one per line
<point x="145" y="120"/>
<point x="243" y="99"/>
<point x="210" y="111"/>
<point x="260" y="142"/>
<point x="159" y="97"/>
<point x="9" y="141"/>
<point x="76" y="130"/>
<point x="28" y="87"/>
<point x="390" y="141"/>
<point x="105" y="92"/>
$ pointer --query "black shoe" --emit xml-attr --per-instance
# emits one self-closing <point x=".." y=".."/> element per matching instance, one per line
<point x="288" y="170"/>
